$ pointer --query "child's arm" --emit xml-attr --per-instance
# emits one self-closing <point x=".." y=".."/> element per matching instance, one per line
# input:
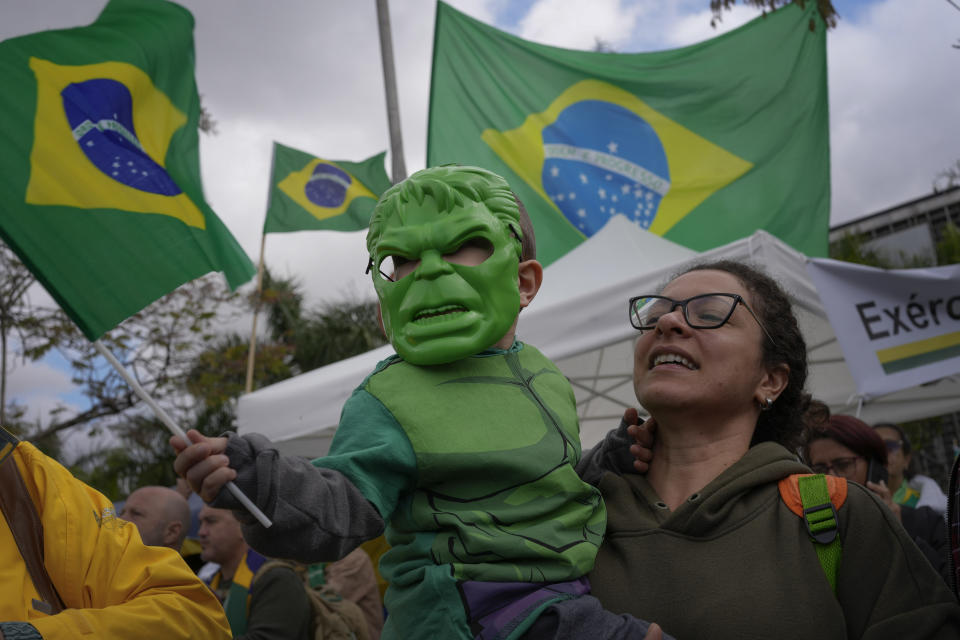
<point x="321" y="510"/>
<point x="318" y="514"/>
<point x="626" y="449"/>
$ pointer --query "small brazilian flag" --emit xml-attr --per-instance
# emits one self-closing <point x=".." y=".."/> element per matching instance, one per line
<point x="100" y="170"/>
<point x="310" y="193"/>
<point x="702" y="145"/>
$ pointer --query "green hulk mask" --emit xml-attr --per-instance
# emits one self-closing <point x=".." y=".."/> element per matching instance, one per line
<point x="449" y="236"/>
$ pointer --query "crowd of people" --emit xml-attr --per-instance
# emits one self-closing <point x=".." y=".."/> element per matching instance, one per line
<point x="740" y="508"/>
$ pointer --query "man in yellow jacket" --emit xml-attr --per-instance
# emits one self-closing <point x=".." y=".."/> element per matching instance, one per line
<point x="110" y="583"/>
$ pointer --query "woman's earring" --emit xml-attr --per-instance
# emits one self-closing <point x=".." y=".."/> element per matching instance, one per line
<point x="766" y="405"/>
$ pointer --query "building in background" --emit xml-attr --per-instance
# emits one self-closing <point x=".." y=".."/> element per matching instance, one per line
<point x="906" y="235"/>
<point x="905" y="230"/>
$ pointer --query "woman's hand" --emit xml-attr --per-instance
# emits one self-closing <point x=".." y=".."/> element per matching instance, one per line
<point x="643" y="436"/>
<point x="883" y="492"/>
<point x="654" y="632"/>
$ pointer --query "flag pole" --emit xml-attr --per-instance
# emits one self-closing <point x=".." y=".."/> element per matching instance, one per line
<point x="252" y="354"/>
<point x="173" y="427"/>
<point x="399" y="169"/>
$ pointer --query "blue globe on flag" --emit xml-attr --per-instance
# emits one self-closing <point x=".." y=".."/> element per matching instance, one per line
<point x="601" y="160"/>
<point x="327" y="186"/>
<point x="100" y="112"/>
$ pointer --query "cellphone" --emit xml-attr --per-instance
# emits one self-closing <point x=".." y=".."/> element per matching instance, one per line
<point x="877" y="473"/>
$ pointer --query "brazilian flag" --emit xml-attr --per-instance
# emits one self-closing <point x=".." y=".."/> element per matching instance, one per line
<point x="310" y="193"/>
<point x="100" y="170"/>
<point x="702" y="145"/>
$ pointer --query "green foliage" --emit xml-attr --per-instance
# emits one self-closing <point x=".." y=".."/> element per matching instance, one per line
<point x="948" y="249"/>
<point x="142" y="454"/>
<point x="219" y="374"/>
<point x="314" y="337"/>
<point x="283" y="298"/>
<point x="158" y="346"/>
<point x="949" y="177"/>
<point x="850" y="249"/>
<point x="825" y="7"/>
<point x="142" y="457"/>
<point x="15" y="310"/>
<point x="17" y="425"/>
<point x="336" y="332"/>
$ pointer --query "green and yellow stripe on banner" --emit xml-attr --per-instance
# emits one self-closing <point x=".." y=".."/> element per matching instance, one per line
<point x="919" y="353"/>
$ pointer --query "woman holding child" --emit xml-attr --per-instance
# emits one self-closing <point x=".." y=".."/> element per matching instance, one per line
<point x="703" y="543"/>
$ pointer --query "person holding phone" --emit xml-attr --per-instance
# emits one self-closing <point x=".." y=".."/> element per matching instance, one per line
<point x="845" y="446"/>
<point x="911" y="489"/>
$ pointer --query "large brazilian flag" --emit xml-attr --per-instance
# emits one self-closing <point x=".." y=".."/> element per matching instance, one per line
<point x="702" y="145"/>
<point x="100" y="173"/>
<point x="311" y="193"/>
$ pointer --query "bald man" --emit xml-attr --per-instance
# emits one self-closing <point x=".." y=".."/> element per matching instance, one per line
<point x="161" y="514"/>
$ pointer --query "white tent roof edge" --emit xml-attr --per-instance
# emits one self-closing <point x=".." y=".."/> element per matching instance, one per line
<point x="579" y="320"/>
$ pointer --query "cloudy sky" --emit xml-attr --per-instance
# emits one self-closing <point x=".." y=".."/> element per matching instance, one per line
<point x="308" y="74"/>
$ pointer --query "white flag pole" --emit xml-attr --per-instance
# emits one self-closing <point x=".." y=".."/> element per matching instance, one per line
<point x="174" y="428"/>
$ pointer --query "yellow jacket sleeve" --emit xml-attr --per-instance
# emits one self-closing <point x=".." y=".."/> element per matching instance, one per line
<point x="113" y="585"/>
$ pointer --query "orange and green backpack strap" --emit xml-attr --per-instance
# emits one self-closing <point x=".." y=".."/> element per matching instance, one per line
<point x="816" y="498"/>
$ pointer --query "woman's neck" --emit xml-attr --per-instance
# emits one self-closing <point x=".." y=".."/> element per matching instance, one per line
<point x="686" y="457"/>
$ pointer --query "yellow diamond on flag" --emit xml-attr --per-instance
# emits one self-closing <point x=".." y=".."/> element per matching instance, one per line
<point x="599" y="151"/>
<point x="101" y="135"/>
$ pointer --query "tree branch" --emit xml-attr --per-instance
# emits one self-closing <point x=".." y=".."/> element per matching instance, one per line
<point x="108" y="407"/>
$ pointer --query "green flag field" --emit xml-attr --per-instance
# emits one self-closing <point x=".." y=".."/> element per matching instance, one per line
<point x="100" y="173"/>
<point x="702" y="145"/>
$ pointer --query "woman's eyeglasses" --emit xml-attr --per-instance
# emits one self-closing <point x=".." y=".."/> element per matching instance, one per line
<point x="837" y="466"/>
<point x="705" y="311"/>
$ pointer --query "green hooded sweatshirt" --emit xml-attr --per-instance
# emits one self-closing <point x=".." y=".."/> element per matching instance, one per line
<point x="734" y="562"/>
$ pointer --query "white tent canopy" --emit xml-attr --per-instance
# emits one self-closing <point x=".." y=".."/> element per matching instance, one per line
<point x="579" y="320"/>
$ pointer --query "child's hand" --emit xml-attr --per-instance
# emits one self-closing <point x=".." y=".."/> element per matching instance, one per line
<point x="202" y="463"/>
<point x="654" y="632"/>
<point x="643" y="436"/>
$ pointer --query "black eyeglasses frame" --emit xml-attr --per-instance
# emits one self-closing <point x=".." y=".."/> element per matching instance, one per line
<point x="737" y="299"/>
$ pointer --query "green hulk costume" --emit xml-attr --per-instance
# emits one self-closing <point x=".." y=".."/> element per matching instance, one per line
<point x="483" y="499"/>
<point x="464" y="443"/>
<point x="491" y="435"/>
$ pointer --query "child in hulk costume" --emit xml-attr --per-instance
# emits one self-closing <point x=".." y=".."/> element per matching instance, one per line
<point x="463" y="444"/>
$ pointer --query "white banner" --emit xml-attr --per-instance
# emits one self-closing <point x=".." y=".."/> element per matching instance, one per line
<point x="897" y="328"/>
